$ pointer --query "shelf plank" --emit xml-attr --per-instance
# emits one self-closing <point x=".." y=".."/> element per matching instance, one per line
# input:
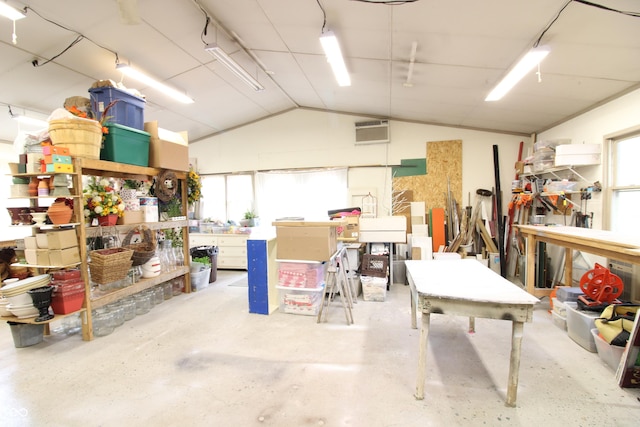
<point x="51" y="267"/>
<point x="162" y="225"/>
<point x="121" y="170"/>
<point x="140" y="286"/>
<point x="32" y="320"/>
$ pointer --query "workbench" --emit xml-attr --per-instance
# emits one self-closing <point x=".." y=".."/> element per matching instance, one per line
<point x="597" y="242"/>
<point x="465" y="287"/>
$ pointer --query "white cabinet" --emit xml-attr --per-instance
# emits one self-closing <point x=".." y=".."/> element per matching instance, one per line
<point x="232" y="248"/>
<point x="204" y="239"/>
<point x="232" y="251"/>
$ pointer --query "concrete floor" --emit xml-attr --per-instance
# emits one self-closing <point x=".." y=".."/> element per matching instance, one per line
<point x="203" y="360"/>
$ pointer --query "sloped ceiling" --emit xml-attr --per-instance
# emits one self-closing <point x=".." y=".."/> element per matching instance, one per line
<point x="464" y="47"/>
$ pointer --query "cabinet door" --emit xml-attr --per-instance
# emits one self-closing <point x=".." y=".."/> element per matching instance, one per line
<point x="232" y="241"/>
<point x="202" y="240"/>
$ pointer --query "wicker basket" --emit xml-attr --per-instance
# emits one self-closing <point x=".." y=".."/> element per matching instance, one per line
<point x="104" y="274"/>
<point x="109" y="265"/>
<point x="110" y="257"/>
<point x="82" y="137"/>
<point x="142" y="251"/>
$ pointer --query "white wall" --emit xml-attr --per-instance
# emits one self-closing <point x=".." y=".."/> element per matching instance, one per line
<point x="308" y="138"/>
<point x="592" y="128"/>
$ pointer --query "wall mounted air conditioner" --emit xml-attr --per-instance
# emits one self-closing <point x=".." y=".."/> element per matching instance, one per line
<point x="372" y="132"/>
<point x="630" y="276"/>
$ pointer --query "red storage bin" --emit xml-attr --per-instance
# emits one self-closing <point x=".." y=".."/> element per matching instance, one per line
<point x="68" y="303"/>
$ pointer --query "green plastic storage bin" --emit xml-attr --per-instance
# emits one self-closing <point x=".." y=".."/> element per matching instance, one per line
<point x="126" y="145"/>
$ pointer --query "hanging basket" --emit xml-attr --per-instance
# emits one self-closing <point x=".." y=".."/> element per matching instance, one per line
<point x="144" y="250"/>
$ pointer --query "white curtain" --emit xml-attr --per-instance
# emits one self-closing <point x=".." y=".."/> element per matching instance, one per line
<point x="307" y="194"/>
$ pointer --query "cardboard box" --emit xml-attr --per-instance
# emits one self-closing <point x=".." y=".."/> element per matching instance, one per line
<point x="131" y="217"/>
<point x="42" y="257"/>
<point x="41" y="241"/>
<point x="62" y="239"/>
<point x="313" y="243"/>
<point x="167" y="150"/>
<point x="62" y="257"/>
<point x="30" y="242"/>
<point x="382" y="236"/>
<point x="350" y="228"/>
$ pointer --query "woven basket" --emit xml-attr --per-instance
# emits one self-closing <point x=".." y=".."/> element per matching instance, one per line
<point x="110" y="257"/>
<point x="142" y="251"/>
<point x="83" y="138"/>
<point x="104" y="274"/>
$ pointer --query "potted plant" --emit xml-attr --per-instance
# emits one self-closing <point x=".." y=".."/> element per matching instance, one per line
<point x="129" y="190"/>
<point x="250" y="219"/>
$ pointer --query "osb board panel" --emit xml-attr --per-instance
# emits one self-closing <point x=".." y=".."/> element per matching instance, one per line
<point x="444" y="160"/>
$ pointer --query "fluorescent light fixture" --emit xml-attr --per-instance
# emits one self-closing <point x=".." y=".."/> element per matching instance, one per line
<point x="31" y="121"/>
<point x="161" y="87"/>
<point x="222" y="57"/>
<point x="332" y="50"/>
<point x="10" y="12"/>
<point x="526" y="64"/>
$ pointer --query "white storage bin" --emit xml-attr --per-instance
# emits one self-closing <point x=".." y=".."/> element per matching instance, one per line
<point x="200" y="280"/>
<point x="374" y="288"/>
<point x="305" y="301"/>
<point x="579" y="325"/>
<point x="610" y="354"/>
<point x="558" y="320"/>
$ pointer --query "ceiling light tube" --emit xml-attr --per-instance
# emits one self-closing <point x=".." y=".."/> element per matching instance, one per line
<point x="149" y="81"/>
<point x="31" y="121"/>
<point x="526" y="64"/>
<point x="222" y="57"/>
<point x="10" y="12"/>
<point x="329" y="43"/>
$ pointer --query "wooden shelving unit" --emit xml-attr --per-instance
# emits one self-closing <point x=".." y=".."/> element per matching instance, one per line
<point x="82" y="167"/>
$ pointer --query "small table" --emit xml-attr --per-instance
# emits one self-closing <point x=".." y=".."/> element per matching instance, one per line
<point x="465" y="287"/>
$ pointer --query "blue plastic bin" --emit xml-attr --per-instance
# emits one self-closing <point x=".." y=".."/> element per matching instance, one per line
<point x="128" y="111"/>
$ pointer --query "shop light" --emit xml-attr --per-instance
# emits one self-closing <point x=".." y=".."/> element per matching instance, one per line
<point x="216" y="51"/>
<point x="10" y="12"/>
<point x="149" y="81"/>
<point x="526" y="64"/>
<point x="331" y="47"/>
<point x="31" y="121"/>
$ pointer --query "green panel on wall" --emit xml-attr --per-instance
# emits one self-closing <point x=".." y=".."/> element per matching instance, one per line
<point x="410" y="167"/>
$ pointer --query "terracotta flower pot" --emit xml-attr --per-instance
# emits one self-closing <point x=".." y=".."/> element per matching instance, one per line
<point x="108" y="220"/>
<point x="60" y="213"/>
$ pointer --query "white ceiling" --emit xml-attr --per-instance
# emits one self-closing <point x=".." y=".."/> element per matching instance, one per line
<point x="463" y="48"/>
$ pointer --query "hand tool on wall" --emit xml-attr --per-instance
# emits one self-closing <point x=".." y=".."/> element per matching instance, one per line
<point x="498" y="192"/>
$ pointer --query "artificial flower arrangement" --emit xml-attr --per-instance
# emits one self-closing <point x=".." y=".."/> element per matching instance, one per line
<point x="194" y="186"/>
<point x="101" y="199"/>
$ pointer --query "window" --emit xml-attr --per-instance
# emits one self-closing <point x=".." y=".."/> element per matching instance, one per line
<point x="307" y="194"/>
<point x="625" y="182"/>
<point x="226" y="197"/>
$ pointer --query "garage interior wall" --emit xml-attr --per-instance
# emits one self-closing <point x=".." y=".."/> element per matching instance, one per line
<point x="308" y="138"/>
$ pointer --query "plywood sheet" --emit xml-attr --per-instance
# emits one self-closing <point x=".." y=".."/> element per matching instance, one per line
<point x="444" y="161"/>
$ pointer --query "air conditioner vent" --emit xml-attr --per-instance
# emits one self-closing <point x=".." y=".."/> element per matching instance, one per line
<point x="372" y="132"/>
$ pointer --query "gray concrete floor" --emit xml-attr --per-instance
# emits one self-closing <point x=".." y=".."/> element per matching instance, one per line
<point x="203" y="360"/>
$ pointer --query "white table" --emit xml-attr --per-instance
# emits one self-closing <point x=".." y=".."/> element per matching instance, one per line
<point x="467" y="288"/>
